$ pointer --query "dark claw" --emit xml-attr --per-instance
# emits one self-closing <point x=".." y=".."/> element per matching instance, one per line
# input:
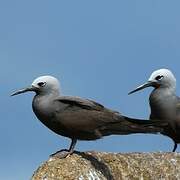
<point x="63" y="153"/>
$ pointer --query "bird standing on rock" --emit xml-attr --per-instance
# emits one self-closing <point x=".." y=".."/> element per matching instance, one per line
<point x="80" y="119"/>
<point x="164" y="103"/>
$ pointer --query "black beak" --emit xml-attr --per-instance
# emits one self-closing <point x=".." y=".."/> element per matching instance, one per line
<point x="31" y="88"/>
<point x="147" y="84"/>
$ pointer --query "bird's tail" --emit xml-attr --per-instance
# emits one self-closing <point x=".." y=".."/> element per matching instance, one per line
<point x="131" y="126"/>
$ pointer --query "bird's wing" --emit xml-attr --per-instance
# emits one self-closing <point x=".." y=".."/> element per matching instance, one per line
<point x="86" y="119"/>
<point x="87" y="110"/>
<point x="83" y="116"/>
<point x="82" y="103"/>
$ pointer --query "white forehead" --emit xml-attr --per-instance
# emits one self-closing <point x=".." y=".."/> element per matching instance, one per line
<point x="162" y="72"/>
<point x="48" y="79"/>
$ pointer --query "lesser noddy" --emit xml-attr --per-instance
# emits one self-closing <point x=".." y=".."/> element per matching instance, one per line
<point x="78" y="118"/>
<point x="164" y="103"/>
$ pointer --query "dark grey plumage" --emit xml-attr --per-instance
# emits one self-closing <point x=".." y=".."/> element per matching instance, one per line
<point x="164" y="103"/>
<point x="81" y="119"/>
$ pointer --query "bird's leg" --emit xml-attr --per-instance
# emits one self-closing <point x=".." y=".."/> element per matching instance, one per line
<point x="175" y="147"/>
<point x="72" y="146"/>
<point x="64" y="152"/>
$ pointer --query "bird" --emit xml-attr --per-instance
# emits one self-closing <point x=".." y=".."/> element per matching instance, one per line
<point x="164" y="103"/>
<point x="79" y="118"/>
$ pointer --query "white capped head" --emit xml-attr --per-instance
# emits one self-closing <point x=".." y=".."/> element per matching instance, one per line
<point x="163" y="78"/>
<point x="43" y="85"/>
<point x="46" y="84"/>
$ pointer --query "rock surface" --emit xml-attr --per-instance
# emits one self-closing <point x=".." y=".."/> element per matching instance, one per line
<point x="111" y="166"/>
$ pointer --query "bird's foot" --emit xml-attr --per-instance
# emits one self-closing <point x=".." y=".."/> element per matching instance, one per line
<point x="63" y="153"/>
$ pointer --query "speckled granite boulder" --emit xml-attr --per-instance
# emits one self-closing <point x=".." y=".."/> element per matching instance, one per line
<point x="111" y="166"/>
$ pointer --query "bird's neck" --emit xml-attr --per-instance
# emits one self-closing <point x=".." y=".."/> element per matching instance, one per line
<point x="162" y="103"/>
<point x="163" y="92"/>
<point x="52" y="93"/>
<point x="42" y="104"/>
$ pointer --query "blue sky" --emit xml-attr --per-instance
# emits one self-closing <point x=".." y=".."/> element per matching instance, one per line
<point x="97" y="49"/>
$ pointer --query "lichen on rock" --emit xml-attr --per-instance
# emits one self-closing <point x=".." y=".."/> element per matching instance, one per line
<point x="111" y="166"/>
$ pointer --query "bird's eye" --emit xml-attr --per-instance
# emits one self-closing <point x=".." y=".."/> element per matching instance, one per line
<point x="41" y="84"/>
<point x="160" y="77"/>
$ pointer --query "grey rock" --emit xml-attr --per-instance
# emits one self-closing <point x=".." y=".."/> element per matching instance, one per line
<point x="111" y="166"/>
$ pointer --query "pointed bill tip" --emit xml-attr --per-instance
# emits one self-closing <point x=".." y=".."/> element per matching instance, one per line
<point x="143" y="86"/>
<point x="14" y="94"/>
<point x="131" y="92"/>
<point x="19" y="92"/>
<point x="23" y="91"/>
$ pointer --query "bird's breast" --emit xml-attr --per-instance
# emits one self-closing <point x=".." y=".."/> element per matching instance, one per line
<point x="45" y="110"/>
<point x="162" y="106"/>
<point x="42" y="108"/>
